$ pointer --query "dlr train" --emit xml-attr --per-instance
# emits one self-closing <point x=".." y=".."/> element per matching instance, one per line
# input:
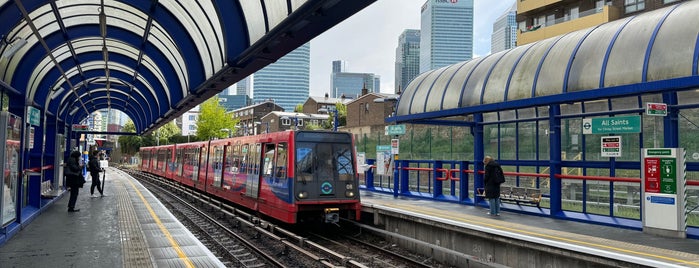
<point x="291" y="176"/>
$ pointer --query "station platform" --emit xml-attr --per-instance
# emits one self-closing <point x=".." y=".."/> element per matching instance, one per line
<point x="128" y="227"/>
<point x="568" y="236"/>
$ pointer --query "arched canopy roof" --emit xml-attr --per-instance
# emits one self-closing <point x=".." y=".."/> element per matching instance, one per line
<point x="650" y="52"/>
<point x="153" y="60"/>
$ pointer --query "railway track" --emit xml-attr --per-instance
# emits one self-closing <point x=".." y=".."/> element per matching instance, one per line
<point x="240" y="239"/>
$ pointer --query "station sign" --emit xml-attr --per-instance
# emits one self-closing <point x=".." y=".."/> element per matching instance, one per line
<point x="394" y="130"/>
<point x="611" y="146"/>
<point x="79" y="127"/>
<point x="612" y="125"/>
<point x="33" y="116"/>
<point x="656" y="109"/>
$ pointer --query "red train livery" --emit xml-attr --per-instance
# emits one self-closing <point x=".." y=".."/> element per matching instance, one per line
<point x="292" y="176"/>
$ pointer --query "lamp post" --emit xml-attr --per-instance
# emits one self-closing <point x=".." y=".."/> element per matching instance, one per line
<point x="228" y="131"/>
<point x="335" y="116"/>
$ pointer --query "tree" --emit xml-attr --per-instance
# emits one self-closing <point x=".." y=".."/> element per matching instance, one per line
<point x="164" y="133"/>
<point x="130" y="144"/>
<point x="341" y="115"/>
<point x="212" y="119"/>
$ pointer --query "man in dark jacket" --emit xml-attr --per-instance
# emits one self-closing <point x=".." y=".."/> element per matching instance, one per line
<point x="94" y="167"/>
<point x="74" y="179"/>
<point x="492" y="186"/>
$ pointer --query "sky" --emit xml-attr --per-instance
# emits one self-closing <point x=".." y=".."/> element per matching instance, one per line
<point x="367" y="41"/>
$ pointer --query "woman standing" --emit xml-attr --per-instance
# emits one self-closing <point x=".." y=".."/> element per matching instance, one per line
<point x="74" y="179"/>
<point x="94" y="167"/>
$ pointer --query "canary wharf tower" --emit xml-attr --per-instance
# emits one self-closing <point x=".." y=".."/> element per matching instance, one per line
<point x="446" y="34"/>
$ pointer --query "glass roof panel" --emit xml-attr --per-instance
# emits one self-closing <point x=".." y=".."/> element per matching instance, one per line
<point x="497" y="82"/>
<point x="254" y="18"/>
<point x="207" y="36"/>
<point x="276" y="12"/>
<point x="452" y="98"/>
<point x="295" y="4"/>
<point x="550" y="81"/>
<point x="625" y="62"/>
<point x="668" y="58"/>
<point x="166" y="45"/>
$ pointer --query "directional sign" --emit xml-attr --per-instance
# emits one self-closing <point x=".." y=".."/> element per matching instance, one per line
<point x="394" y="130"/>
<point x="656" y="109"/>
<point x="611" y="146"/>
<point x="609" y="125"/>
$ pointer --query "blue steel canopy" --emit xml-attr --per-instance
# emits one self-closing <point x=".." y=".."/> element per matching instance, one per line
<point x="153" y="60"/>
<point x="651" y="52"/>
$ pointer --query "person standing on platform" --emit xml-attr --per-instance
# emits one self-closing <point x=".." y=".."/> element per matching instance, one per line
<point x="93" y="165"/>
<point x="492" y="180"/>
<point x="74" y="179"/>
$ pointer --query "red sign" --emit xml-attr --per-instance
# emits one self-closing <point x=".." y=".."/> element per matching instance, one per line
<point x="611" y="145"/>
<point x="652" y="172"/>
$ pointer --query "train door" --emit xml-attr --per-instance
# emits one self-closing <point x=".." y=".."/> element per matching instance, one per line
<point x="253" y="168"/>
<point x="179" y="162"/>
<point x="216" y="164"/>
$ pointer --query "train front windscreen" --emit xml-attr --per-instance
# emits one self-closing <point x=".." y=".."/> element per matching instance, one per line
<point x="325" y="167"/>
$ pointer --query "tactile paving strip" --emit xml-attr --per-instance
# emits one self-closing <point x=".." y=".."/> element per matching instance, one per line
<point x="133" y="241"/>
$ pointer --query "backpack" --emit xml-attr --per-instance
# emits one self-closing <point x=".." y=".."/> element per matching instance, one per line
<point x="499" y="176"/>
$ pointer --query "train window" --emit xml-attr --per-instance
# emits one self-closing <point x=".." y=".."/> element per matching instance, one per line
<point x="343" y="156"/>
<point x="217" y="164"/>
<point x="305" y="157"/>
<point x="170" y="164"/>
<point x="256" y="158"/>
<point x="325" y="164"/>
<point x="243" y="160"/>
<point x="280" y="169"/>
<point x="268" y="159"/>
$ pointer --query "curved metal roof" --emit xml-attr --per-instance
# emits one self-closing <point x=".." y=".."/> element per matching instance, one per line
<point x="153" y="60"/>
<point x="616" y="58"/>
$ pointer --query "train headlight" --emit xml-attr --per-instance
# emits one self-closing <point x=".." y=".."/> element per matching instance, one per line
<point x="349" y="186"/>
<point x="303" y="195"/>
<point x="349" y="194"/>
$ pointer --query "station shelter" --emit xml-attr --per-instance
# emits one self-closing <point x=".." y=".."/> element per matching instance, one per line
<point x="573" y="115"/>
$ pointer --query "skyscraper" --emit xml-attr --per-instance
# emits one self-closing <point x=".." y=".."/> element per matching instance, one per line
<point x="446" y="33"/>
<point x="285" y="81"/>
<point x="504" y="31"/>
<point x="350" y="84"/>
<point x="339" y="66"/>
<point x="407" y="58"/>
<point x="244" y="87"/>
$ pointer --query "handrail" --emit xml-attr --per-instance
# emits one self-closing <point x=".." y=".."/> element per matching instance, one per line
<point x="598" y="178"/>
<point x="37" y="169"/>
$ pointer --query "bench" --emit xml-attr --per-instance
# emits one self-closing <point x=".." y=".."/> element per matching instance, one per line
<point x="516" y="195"/>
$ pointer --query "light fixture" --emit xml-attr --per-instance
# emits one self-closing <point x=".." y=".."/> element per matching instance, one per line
<point x="57" y="91"/>
<point x="11" y="47"/>
<point x="74" y="111"/>
<point x="103" y="23"/>
<point x="105" y="53"/>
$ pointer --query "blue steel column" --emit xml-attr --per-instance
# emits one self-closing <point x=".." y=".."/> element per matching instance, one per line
<point x="463" y="181"/>
<point x="671" y="125"/>
<point x="555" y="158"/>
<point x="437" y="190"/>
<point x="478" y="155"/>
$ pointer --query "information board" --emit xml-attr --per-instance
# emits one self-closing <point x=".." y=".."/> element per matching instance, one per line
<point x="662" y="192"/>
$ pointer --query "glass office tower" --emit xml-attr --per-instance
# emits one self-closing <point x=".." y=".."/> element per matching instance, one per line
<point x="446" y="33"/>
<point x="286" y="81"/>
